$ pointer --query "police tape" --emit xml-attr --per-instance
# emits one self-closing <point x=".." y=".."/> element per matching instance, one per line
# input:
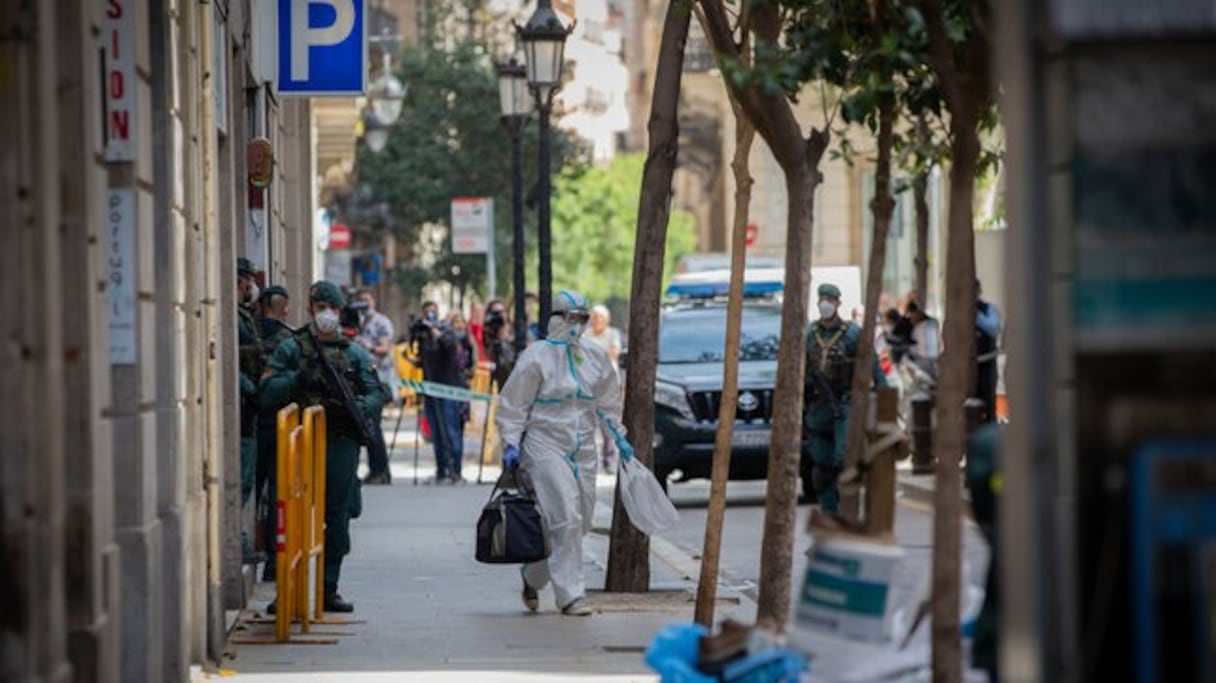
<point x="446" y="392"/>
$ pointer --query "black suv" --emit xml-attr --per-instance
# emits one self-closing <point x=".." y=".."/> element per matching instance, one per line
<point x="692" y="339"/>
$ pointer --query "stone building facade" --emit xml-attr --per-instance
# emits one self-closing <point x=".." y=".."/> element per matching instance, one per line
<point x="123" y="134"/>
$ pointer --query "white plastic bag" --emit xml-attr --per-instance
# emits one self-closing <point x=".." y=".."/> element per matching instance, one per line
<point x="649" y="508"/>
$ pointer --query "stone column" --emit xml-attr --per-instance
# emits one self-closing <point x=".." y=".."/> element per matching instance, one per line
<point x="91" y="562"/>
<point x="133" y="390"/>
<point x="33" y="624"/>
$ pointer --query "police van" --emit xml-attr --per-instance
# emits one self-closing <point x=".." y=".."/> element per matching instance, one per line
<point x="688" y="390"/>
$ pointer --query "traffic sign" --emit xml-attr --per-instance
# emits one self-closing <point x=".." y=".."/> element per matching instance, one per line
<point x="751" y="233"/>
<point x="339" y="237"/>
<point x="472" y="224"/>
<point x="322" y="47"/>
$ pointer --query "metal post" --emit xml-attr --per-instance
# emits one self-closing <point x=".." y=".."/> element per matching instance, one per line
<point x="922" y="434"/>
<point x="515" y="126"/>
<point x="543" y="238"/>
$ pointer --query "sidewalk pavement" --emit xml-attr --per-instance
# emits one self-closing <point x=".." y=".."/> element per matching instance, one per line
<point x="432" y="613"/>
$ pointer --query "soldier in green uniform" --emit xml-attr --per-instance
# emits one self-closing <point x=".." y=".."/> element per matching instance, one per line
<point x="296" y="374"/>
<point x="250" y="369"/>
<point x="272" y="325"/>
<point x="984" y="483"/>
<point x="831" y="349"/>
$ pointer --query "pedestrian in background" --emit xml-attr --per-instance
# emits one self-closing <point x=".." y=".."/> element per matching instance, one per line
<point x="477" y="328"/>
<point x="249" y="368"/>
<point x="987" y="336"/>
<point x="548" y="413"/>
<point x="601" y="333"/>
<point x="376" y="336"/>
<point x="273" y="309"/>
<point x="297" y="374"/>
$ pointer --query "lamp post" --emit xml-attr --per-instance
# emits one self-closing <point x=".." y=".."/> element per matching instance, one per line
<point x="516" y="104"/>
<point x="387" y="97"/>
<point x="544" y="42"/>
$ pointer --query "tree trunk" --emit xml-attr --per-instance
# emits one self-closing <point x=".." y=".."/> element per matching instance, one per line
<point x="785" y="454"/>
<point x="920" y="197"/>
<point x="629" y="549"/>
<point x="707" y="587"/>
<point x="799" y="158"/>
<point x="883" y="205"/>
<point x="954" y="386"/>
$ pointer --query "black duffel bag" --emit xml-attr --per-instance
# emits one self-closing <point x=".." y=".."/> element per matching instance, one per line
<point x="511" y="529"/>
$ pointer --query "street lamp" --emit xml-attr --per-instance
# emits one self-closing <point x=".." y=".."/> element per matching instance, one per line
<point x="516" y="105"/>
<point x="544" y="42"/>
<point x="387" y="97"/>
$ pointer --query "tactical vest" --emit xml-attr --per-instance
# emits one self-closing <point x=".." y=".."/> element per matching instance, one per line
<point x="250" y="345"/>
<point x="337" y="419"/>
<point x="831" y="358"/>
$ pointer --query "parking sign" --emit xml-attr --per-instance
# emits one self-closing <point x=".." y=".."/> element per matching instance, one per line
<point x="322" y="47"/>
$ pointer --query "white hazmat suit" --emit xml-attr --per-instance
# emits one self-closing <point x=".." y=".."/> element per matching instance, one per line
<point x="551" y="407"/>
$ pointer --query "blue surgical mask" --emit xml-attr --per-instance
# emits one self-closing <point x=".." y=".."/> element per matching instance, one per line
<point x="432" y="316"/>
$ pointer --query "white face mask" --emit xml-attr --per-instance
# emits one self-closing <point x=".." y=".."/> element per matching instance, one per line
<point x="251" y="294"/>
<point x="327" y="321"/>
<point x="827" y="310"/>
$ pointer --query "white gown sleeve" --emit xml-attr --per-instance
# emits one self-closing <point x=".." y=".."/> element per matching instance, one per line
<point x="516" y="398"/>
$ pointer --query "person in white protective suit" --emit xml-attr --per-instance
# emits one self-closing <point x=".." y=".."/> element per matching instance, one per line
<point x="548" y="412"/>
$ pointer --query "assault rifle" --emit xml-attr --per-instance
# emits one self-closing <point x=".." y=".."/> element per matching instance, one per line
<point x="337" y="385"/>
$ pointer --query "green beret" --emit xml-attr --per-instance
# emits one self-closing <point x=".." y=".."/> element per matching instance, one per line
<point x="274" y="290"/>
<point x="829" y="291"/>
<point x="245" y="267"/>
<point x="323" y="290"/>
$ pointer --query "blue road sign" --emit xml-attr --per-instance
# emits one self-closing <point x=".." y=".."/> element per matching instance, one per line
<point x="322" y="47"/>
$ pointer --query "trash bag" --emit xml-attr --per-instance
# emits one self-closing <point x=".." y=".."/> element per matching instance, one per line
<point x="648" y="506"/>
<point x="674" y="651"/>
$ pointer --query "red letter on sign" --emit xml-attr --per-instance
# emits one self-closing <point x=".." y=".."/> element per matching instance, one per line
<point x="115" y="10"/>
<point x="116" y="85"/>
<point x="120" y="125"/>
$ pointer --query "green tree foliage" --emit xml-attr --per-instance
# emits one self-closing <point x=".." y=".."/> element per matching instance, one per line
<point x="595" y="227"/>
<point x="448" y="143"/>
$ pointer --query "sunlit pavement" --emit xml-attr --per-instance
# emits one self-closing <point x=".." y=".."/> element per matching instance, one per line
<point x="432" y="613"/>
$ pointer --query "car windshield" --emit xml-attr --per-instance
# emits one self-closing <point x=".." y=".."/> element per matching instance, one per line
<point x="699" y="335"/>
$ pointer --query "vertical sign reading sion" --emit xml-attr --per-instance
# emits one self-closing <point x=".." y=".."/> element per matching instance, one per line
<point x="118" y="43"/>
<point x="119" y="270"/>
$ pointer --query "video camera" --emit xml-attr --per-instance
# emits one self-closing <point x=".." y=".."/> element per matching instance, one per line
<point x="495" y="320"/>
<point x="350" y="319"/>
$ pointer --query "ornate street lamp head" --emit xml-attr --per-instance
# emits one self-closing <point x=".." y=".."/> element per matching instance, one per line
<point x="544" y="42"/>
<point x="387" y="96"/>
<point x="513" y="96"/>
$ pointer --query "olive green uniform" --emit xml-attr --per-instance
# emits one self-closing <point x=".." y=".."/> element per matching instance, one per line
<point x="250" y="362"/>
<point x="273" y="334"/>
<point x="294" y="375"/>
<point x="831" y="351"/>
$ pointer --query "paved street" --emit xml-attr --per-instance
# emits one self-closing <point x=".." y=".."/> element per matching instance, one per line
<point x="432" y="613"/>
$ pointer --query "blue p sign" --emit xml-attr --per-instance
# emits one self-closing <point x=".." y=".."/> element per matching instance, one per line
<point x="322" y="47"/>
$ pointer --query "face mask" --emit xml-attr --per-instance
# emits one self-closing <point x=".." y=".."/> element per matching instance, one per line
<point x="327" y="321"/>
<point x="827" y="309"/>
<point x="432" y="316"/>
<point x="251" y="294"/>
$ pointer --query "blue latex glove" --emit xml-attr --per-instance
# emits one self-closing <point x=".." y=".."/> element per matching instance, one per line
<point x="626" y="451"/>
<point x="510" y="457"/>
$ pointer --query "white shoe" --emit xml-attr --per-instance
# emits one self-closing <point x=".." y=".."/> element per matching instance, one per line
<point x="577" y="608"/>
<point x="530" y="597"/>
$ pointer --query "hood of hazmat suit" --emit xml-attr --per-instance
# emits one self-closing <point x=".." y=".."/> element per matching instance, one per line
<point x="559" y="394"/>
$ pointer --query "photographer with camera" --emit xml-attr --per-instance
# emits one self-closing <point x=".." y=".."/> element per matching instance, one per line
<point x="497" y="338"/>
<point x="375" y="333"/>
<point x="447" y="356"/>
